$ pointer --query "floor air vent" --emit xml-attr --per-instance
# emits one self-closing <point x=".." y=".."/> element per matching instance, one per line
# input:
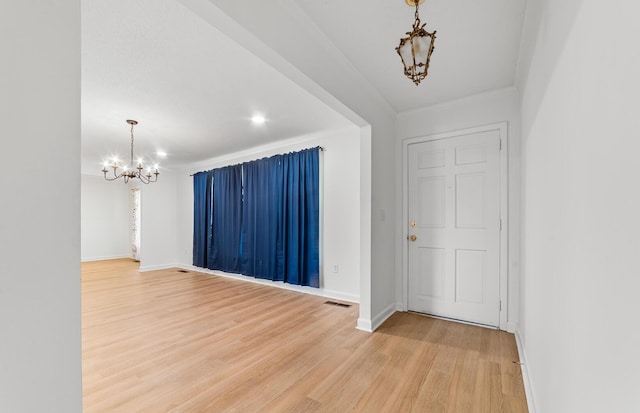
<point x="337" y="303"/>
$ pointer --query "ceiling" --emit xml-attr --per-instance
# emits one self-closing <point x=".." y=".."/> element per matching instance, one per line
<point x="476" y="48"/>
<point x="194" y="90"/>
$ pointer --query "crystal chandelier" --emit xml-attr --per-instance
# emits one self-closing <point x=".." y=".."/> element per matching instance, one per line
<point x="129" y="171"/>
<point x="415" y="50"/>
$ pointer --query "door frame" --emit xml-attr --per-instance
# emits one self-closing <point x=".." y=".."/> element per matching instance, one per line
<point x="502" y="128"/>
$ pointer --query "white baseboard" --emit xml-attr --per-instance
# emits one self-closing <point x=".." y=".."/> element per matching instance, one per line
<point x="528" y="388"/>
<point x="382" y="316"/>
<point x="370" y="325"/>
<point x="321" y="292"/>
<point x="104" y="258"/>
<point x="145" y="268"/>
<point x="364" y="325"/>
<point x="512" y="327"/>
<point x="337" y="295"/>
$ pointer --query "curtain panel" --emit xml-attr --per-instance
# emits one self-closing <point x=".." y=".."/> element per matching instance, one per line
<point x="226" y="222"/>
<point x="201" y="218"/>
<point x="263" y="215"/>
<point x="301" y="211"/>
<point x="264" y="219"/>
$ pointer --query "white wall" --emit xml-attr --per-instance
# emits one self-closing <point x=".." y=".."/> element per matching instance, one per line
<point x="340" y="197"/>
<point x="158" y="230"/>
<point x="281" y="34"/>
<point x="40" y="360"/>
<point x="105" y="221"/>
<point x="580" y="187"/>
<point x="477" y="110"/>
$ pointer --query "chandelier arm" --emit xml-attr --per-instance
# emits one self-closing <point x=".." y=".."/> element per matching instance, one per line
<point x="112" y="179"/>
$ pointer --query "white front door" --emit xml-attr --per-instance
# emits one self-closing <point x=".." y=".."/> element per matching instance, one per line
<point x="454" y="227"/>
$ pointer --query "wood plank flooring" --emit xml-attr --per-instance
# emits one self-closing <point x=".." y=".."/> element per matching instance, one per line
<point x="167" y="341"/>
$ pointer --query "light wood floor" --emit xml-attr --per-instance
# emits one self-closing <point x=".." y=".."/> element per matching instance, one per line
<point x="166" y="341"/>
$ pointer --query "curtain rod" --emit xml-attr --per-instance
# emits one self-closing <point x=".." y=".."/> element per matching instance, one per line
<point x="319" y="147"/>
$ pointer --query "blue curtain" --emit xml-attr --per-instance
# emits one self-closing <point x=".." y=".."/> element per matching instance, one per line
<point x="226" y="223"/>
<point x="201" y="217"/>
<point x="265" y="219"/>
<point x="262" y="231"/>
<point x="301" y="211"/>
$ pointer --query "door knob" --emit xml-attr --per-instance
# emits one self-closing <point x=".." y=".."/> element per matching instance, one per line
<point x="413" y="238"/>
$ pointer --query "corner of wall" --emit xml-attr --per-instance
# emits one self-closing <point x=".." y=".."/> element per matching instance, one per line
<point x="381" y="317"/>
<point x="364" y="325"/>
<point x="522" y="355"/>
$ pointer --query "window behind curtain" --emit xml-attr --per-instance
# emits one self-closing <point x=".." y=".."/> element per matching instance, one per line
<point x="264" y="219"/>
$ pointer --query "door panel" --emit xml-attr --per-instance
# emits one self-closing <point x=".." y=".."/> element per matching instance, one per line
<point x="431" y="159"/>
<point x="470" y="200"/>
<point x="432" y="192"/>
<point x="431" y="266"/>
<point x="470" y="274"/>
<point x="454" y="213"/>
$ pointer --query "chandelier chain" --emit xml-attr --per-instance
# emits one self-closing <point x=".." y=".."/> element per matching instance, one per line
<point x="132" y="145"/>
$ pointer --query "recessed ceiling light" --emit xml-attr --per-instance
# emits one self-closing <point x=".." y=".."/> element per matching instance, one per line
<point x="161" y="154"/>
<point x="258" y="119"/>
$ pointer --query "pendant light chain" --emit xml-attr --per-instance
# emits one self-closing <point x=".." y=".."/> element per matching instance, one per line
<point x="132" y="124"/>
